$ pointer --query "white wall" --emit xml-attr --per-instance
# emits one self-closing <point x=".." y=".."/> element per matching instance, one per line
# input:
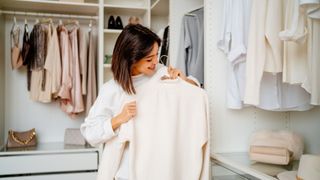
<point x="231" y="128"/>
<point x="158" y="23"/>
<point x="2" y="80"/>
<point x="177" y="8"/>
<point x="21" y="113"/>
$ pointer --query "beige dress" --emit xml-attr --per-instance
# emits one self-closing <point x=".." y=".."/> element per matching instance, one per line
<point x="53" y="65"/>
<point x="83" y="56"/>
<point x="76" y="89"/>
<point x="92" y="73"/>
<point x="66" y="80"/>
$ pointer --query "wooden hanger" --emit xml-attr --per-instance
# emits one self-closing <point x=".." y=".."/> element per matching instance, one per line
<point x="90" y="25"/>
<point x="71" y="22"/>
<point x="46" y="21"/>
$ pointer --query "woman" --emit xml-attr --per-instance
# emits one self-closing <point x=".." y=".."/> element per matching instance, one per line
<point x="134" y="61"/>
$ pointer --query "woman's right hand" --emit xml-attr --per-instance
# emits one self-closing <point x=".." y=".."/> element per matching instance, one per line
<point x="129" y="111"/>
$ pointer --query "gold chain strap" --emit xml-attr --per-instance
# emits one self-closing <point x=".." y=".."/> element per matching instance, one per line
<point x="18" y="140"/>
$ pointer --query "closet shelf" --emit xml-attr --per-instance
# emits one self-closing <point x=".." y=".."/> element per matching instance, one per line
<point x="240" y="161"/>
<point x="160" y="8"/>
<point x="47" y="6"/>
<point x="52" y="147"/>
<point x="112" y="31"/>
<point x="124" y="10"/>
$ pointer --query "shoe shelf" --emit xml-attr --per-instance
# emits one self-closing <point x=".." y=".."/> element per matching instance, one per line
<point x="112" y="31"/>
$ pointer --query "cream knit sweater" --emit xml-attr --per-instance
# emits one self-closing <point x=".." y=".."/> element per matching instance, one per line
<point x="169" y="137"/>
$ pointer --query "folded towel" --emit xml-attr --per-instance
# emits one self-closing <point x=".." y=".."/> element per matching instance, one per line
<point x="279" y="139"/>
<point x="271" y="155"/>
<point x="270" y="150"/>
<point x="271" y="159"/>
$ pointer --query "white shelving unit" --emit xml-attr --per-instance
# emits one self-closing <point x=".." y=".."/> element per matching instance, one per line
<point x="124" y="9"/>
<point x="231" y="129"/>
<point x="50" y="159"/>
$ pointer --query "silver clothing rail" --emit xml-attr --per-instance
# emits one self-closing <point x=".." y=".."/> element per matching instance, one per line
<point x="20" y="13"/>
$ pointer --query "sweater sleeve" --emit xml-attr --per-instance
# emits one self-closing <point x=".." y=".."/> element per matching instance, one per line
<point x="97" y="127"/>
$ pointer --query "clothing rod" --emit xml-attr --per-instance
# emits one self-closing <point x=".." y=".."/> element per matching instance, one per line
<point x="20" y="13"/>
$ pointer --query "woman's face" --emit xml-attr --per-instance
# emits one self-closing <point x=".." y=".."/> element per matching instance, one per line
<point x="146" y="65"/>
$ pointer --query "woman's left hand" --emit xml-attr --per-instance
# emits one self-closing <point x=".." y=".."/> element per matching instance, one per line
<point x="174" y="73"/>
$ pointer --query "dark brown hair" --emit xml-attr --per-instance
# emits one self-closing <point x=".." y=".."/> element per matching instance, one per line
<point x="134" y="43"/>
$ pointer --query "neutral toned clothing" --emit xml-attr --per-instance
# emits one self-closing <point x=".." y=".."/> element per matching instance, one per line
<point x="66" y="80"/>
<point x="97" y="128"/>
<point x="39" y="88"/>
<point x="91" y="85"/>
<point x="53" y="65"/>
<point x="16" y="57"/>
<point x="264" y="47"/>
<point x="191" y="47"/>
<point x="45" y="93"/>
<point x="295" y="44"/>
<point x="234" y="34"/>
<point x="187" y="110"/>
<point x="312" y="84"/>
<point x="83" y="56"/>
<point x="233" y="42"/>
<point x="76" y="89"/>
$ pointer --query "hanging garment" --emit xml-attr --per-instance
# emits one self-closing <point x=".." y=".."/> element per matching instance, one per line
<point x="16" y="58"/>
<point x="312" y="84"/>
<point x="83" y="56"/>
<point x="185" y="112"/>
<point x="274" y="95"/>
<point x="76" y="89"/>
<point x="38" y="52"/>
<point x="92" y="73"/>
<point x="45" y="93"/>
<point x="233" y="42"/>
<point x="165" y="47"/>
<point x="264" y="47"/>
<point x="39" y="41"/>
<point x="295" y="44"/>
<point x="53" y="65"/>
<point x="66" y="80"/>
<point x="25" y="45"/>
<point x="191" y="47"/>
<point x="234" y="35"/>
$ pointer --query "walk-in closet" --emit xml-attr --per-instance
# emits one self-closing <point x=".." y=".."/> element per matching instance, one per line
<point x="196" y="38"/>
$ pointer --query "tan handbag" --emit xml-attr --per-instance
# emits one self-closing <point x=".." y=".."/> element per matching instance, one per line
<point x="21" y="139"/>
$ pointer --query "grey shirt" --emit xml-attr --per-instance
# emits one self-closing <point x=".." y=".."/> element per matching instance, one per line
<point x="191" y="52"/>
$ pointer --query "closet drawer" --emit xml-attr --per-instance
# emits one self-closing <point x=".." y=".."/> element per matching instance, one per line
<point x="46" y="163"/>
